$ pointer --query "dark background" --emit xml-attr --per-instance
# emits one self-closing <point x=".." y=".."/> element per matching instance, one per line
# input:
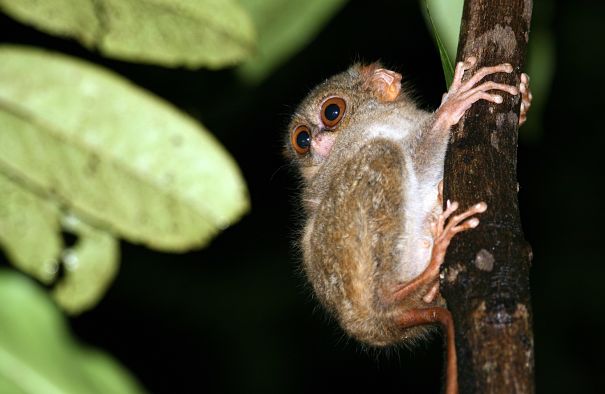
<point x="238" y="316"/>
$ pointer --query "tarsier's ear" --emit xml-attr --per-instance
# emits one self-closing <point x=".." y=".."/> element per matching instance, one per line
<point x="385" y="84"/>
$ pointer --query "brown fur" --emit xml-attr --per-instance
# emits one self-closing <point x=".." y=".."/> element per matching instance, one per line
<point x="351" y="258"/>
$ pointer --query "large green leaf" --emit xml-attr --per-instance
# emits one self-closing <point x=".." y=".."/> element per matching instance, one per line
<point x="284" y="26"/>
<point x="191" y="33"/>
<point x="37" y="353"/>
<point x="119" y="158"/>
<point x="443" y="17"/>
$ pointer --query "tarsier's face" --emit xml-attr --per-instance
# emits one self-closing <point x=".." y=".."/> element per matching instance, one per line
<point x="331" y="108"/>
<point x="313" y="140"/>
<point x="318" y="121"/>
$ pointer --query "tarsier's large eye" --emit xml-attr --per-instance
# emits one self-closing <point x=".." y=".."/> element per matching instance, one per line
<point x="301" y="139"/>
<point x="332" y="111"/>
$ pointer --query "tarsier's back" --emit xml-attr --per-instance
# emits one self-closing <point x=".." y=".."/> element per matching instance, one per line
<point x="351" y="243"/>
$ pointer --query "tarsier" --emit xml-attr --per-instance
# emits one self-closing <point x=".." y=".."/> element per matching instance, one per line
<point x="375" y="234"/>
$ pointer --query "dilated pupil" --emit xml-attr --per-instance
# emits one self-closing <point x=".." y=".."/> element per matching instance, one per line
<point x="332" y="111"/>
<point x="303" y="140"/>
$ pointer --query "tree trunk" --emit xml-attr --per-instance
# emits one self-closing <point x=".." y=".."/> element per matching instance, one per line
<point x="486" y="273"/>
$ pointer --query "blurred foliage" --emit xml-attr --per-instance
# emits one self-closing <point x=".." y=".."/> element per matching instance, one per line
<point x="443" y="18"/>
<point x="191" y="33"/>
<point x="541" y="62"/>
<point x="100" y="149"/>
<point x="37" y="353"/>
<point x="446" y="14"/>
<point x="283" y="26"/>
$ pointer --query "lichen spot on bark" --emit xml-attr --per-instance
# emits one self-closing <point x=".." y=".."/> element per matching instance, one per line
<point x="484" y="260"/>
<point x="501" y="36"/>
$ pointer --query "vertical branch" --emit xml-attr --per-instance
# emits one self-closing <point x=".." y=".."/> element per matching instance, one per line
<point x="486" y="273"/>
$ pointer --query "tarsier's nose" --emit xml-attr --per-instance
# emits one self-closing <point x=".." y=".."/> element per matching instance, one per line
<point x="322" y="143"/>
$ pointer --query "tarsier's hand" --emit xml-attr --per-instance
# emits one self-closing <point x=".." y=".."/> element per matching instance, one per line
<point x="462" y="95"/>
<point x="526" y="98"/>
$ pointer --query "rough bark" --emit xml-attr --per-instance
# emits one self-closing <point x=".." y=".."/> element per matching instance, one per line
<point x="486" y="274"/>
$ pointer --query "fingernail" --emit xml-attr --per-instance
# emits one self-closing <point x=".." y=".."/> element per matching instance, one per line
<point x="481" y="207"/>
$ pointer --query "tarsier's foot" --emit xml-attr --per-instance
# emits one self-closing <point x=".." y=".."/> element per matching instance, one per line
<point x="442" y="236"/>
<point x="526" y="98"/>
<point x="462" y="95"/>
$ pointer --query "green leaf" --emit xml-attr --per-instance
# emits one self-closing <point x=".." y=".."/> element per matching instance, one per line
<point x="443" y="17"/>
<point x="37" y="353"/>
<point x="90" y="266"/>
<point x="284" y="27"/>
<point x="121" y="159"/>
<point x="190" y="33"/>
